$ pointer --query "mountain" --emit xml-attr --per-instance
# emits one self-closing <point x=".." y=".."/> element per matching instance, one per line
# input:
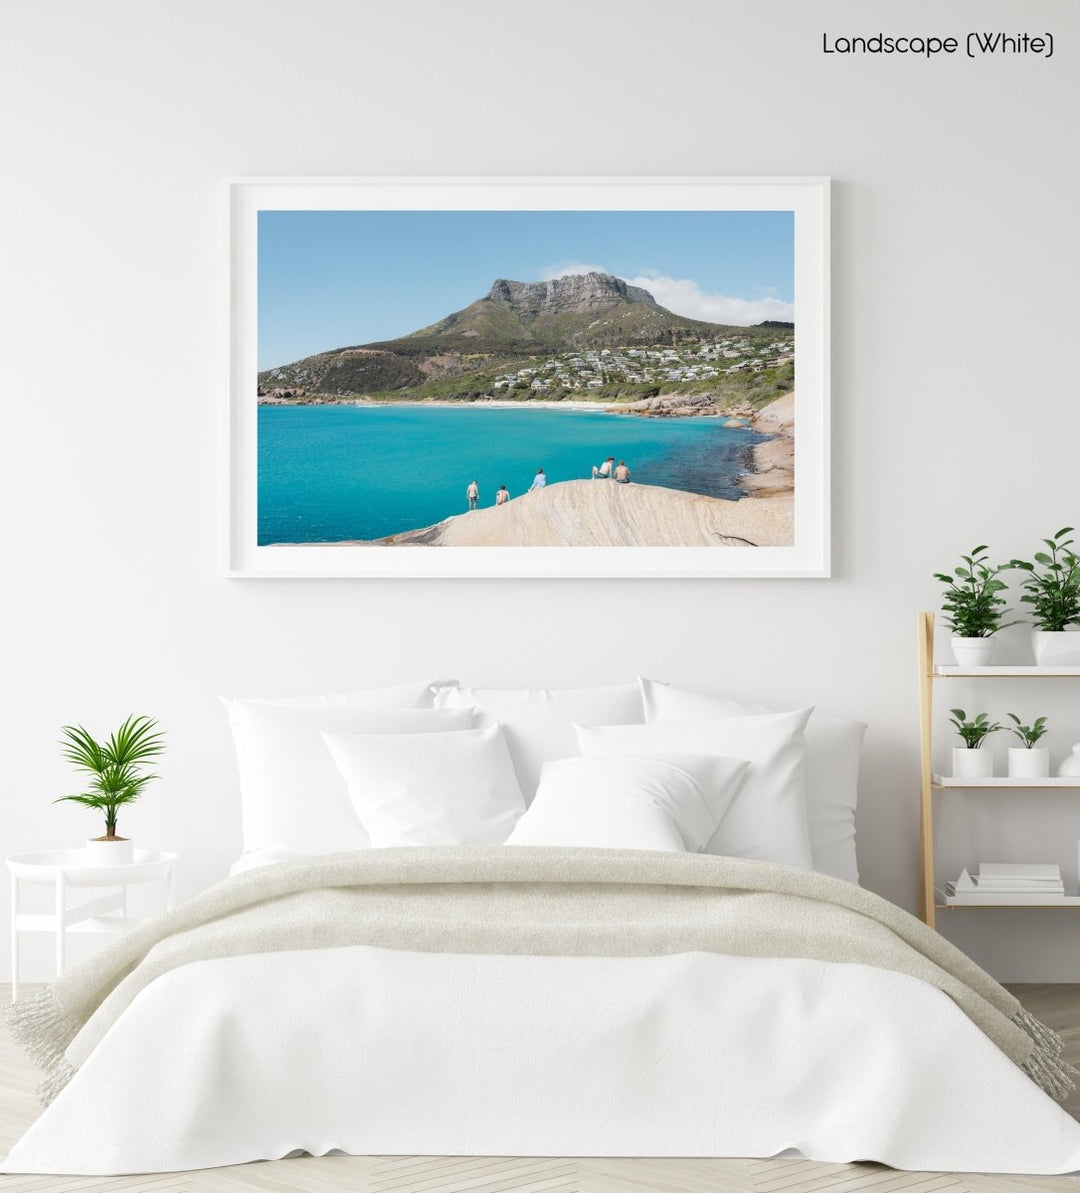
<point x="590" y="310"/>
<point x="513" y="321"/>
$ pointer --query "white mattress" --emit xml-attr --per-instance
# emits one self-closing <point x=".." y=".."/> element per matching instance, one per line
<point x="690" y="1055"/>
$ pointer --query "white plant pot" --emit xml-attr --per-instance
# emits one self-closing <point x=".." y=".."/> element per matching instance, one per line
<point x="972" y="764"/>
<point x="972" y="652"/>
<point x="1029" y="764"/>
<point x="110" y="853"/>
<point x="1056" y="648"/>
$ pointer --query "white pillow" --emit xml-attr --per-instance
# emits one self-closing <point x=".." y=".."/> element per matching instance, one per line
<point x="767" y="818"/>
<point x="538" y="723"/>
<point x="430" y="789"/>
<point x="833" y="751"/>
<point x="291" y="794"/>
<point x="672" y="802"/>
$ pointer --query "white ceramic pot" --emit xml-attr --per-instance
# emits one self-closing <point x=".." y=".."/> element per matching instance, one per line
<point x="1056" y="648"/>
<point x="120" y="852"/>
<point x="972" y="764"/>
<point x="972" y="652"/>
<point x="1028" y="764"/>
<point x="1070" y="767"/>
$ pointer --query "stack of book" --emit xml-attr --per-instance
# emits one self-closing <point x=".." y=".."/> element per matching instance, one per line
<point x="1007" y="882"/>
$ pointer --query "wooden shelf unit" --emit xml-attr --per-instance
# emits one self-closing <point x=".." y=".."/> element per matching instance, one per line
<point x="931" y="782"/>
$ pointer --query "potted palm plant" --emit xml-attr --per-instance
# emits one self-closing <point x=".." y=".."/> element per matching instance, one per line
<point x="970" y="761"/>
<point x="1029" y="760"/>
<point x="974" y="606"/>
<point x="117" y="777"/>
<point x="1052" y="589"/>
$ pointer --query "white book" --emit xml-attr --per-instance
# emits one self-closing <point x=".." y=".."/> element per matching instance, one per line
<point x="974" y="884"/>
<point x="968" y="890"/>
<point x="982" y="880"/>
<point x="966" y="899"/>
<point x="1016" y="871"/>
<point x="995" y="885"/>
<point x="1037" y="883"/>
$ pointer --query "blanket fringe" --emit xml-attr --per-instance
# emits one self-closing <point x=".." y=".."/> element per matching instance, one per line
<point x="1044" y="1066"/>
<point x="43" y="1029"/>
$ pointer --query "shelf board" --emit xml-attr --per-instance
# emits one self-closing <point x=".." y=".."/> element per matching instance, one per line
<point x="947" y="781"/>
<point x="1027" y="671"/>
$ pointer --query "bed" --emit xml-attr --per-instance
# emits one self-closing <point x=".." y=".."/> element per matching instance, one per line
<point x="615" y="921"/>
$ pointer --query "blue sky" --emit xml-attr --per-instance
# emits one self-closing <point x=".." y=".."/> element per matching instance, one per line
<point x="328" y="279"/>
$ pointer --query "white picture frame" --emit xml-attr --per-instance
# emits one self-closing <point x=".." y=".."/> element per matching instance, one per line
<point x="806" y="197"/>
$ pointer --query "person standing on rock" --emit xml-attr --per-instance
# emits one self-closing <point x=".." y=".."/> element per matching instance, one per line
<point x="539" y="480"/>
<point x="473" y="494"/>
<point x="502" y="496"/>
<point x="622" y="473"/>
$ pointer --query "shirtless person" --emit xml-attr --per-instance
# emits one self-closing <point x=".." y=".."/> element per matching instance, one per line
<point x="473" y="494"/>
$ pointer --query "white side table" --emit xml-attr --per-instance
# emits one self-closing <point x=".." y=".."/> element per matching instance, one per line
<point x="64" y="868"/>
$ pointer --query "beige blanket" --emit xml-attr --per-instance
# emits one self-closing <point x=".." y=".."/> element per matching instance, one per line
<point x="540" y="901"/>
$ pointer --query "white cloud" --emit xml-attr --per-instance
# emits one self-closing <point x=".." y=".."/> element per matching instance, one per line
<point x="685" y="297"/>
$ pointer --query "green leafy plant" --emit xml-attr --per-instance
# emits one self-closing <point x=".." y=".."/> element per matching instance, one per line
<point x="1052" y="586"/>
<point x="116" y="766"/>
<point x="973" y="601"/>
<point x="1028" y="734"/>
<point x="974" y="732"/>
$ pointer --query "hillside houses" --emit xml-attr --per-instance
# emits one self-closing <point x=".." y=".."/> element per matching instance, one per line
<point x="595" y="368"/>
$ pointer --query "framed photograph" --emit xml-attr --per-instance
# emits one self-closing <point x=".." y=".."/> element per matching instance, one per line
<point x="529" y="377"/>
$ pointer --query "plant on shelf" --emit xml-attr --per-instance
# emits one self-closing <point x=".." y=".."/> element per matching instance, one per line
<point x="1052" y="589"/>
<point x="1028" y="734"/>
<point x="1029" y="760"/>
<point x="969" y="760"/>
<point x="974" y="732"/>
<point x="117" y="775"/>
<point x="974" y="606"/>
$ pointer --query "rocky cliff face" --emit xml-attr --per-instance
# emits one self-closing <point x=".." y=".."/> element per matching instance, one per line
<point x="571" y="294"/>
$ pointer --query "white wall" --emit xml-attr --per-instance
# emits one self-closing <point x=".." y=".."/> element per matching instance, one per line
<point x="955" y="266"/>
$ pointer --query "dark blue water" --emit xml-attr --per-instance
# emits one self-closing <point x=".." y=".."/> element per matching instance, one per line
<point x="328" y="473"/>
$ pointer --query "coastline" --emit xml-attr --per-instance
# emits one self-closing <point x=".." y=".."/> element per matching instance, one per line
<point x="481" y="403"/>
<point x="772" y="462"/>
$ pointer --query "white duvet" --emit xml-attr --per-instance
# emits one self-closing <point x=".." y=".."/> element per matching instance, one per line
<point x="226" y="1061"/>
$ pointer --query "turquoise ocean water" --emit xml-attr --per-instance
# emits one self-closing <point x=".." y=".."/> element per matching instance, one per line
<point x="329" y="473"/>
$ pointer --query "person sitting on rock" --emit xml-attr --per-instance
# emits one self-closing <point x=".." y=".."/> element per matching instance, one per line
<point x="502" y="496"/>
<point x="539" y="480"/>
<point x="603" y="473"/>
<point x="622" y="473"/>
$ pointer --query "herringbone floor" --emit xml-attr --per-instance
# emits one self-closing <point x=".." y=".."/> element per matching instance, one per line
<point x="1058" y="1006"/>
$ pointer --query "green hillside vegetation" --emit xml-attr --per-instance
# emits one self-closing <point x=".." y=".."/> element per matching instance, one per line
<point x="347" y="371"/>
<point x="754" y="389"/>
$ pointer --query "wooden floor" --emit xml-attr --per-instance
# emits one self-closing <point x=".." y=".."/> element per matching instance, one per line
<point x="1059" y="1006"/>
